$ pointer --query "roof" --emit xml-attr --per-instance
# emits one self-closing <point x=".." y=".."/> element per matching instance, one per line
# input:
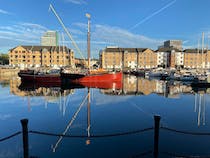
<point x="194" y="51"/>
<point x="40" y="48"/>
<point x="167" y="49"/>
<point x="108" y="49"/>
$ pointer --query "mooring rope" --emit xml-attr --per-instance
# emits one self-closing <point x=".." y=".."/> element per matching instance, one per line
<point x="185" y="132"/>
<point x="8" y="137"/>
<point x="93" y="136"/>
<point x="183" y="156"/>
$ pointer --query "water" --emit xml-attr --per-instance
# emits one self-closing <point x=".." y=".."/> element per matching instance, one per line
<point x="111" y="111"/>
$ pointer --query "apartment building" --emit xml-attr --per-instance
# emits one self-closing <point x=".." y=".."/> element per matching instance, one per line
<point x="38" y="56"/>
<point x="50" y="38"/>
<point x="207" y="61"/>
<point x="111" y="58"/>
<point x="128" y="58"/>
<point x="179" y="59"/>
<point x="170" y="58"/>
<point x="147" y="58"/>
<point x="162" y="59"/>
<point x="177" y="44"/>
<point x="194" y="58"/>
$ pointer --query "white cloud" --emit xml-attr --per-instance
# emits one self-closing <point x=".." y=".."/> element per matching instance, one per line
<point x="4" y="12"/>
<point x="77" y="32"/>
<point x="105" y="35"/>
<point x="77" y="1"/>
<point x="80" y="25"/>
<point x="123" y="38"/>
<point x="101" y="36"/>
<point x="21" y="34"/>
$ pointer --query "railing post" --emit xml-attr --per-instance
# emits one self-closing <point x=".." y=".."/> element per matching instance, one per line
<point x="24" y="123"/>
<point x="156" y="134"/>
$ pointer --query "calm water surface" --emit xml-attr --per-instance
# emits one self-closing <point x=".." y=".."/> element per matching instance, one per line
<point x="111" y="111"/>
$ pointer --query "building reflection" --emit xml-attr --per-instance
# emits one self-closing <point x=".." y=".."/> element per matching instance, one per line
<point x="131" y="85"/>
<point x="18" y="89"/>
<point x="50" y="94"/>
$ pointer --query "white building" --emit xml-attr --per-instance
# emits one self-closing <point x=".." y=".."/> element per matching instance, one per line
<point x="50" y="38"/>
<point x="162" y="59"/>
<point x="179" y="59"/>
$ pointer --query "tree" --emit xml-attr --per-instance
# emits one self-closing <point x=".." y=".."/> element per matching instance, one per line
<point x="4" y="59"/>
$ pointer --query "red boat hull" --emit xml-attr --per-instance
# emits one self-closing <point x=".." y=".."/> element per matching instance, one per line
<point x="105" y="77"/>
<point x="103" y="85"/>
<point x="46" y="79"/>
<point x="102" y="81"/>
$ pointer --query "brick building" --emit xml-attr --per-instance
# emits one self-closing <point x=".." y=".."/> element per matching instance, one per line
<point x="128" y="58"/>
<point x="38" y="56"/>
<point x="195" y="58"/>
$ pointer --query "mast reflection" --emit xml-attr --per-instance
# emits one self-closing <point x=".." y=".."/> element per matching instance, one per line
<point x="130" y="85"/>
<point x="200" y="108"/>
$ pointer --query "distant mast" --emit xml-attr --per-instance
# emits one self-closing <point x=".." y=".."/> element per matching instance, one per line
<point x="88" y="40"/>
<point x="203" y="63"/>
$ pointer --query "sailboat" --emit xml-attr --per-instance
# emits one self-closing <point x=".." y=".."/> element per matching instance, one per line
<point x="96" y="76"/>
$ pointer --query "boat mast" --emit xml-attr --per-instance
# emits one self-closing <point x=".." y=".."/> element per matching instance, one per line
<point x="66" y="30"/>
<point x="64" y="52"/>
<point x="88" y="40"/>
<point x="203" y="63"/>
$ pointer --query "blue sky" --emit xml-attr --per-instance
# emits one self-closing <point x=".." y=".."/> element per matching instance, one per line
<point x="124" y="23"/>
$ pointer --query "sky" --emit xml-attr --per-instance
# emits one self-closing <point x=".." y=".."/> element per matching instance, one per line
<point x="122" y="23"/>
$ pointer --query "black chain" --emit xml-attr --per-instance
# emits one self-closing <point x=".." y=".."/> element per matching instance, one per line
<point x="93" y="136"/>
<point x="8" y="137"/>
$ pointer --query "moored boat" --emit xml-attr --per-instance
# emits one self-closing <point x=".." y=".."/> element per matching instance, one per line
<point x="40" y="77"/>
<point x="92" y="77"/>
<point x="188" y="78"/>
<point x="201" y="84"/>
<point x="102" y="77"/>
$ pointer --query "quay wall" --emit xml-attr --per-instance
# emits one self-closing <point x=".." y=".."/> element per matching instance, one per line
<point x="8" y="72"/>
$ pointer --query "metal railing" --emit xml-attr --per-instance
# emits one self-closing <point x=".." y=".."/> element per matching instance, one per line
<point x="156" y="129"/>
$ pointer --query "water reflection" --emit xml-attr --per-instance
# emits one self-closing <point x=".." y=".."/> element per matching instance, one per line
<point x="200" y="108"/>
<point x="131" y="107"/>
<point x="131" y="85"/>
